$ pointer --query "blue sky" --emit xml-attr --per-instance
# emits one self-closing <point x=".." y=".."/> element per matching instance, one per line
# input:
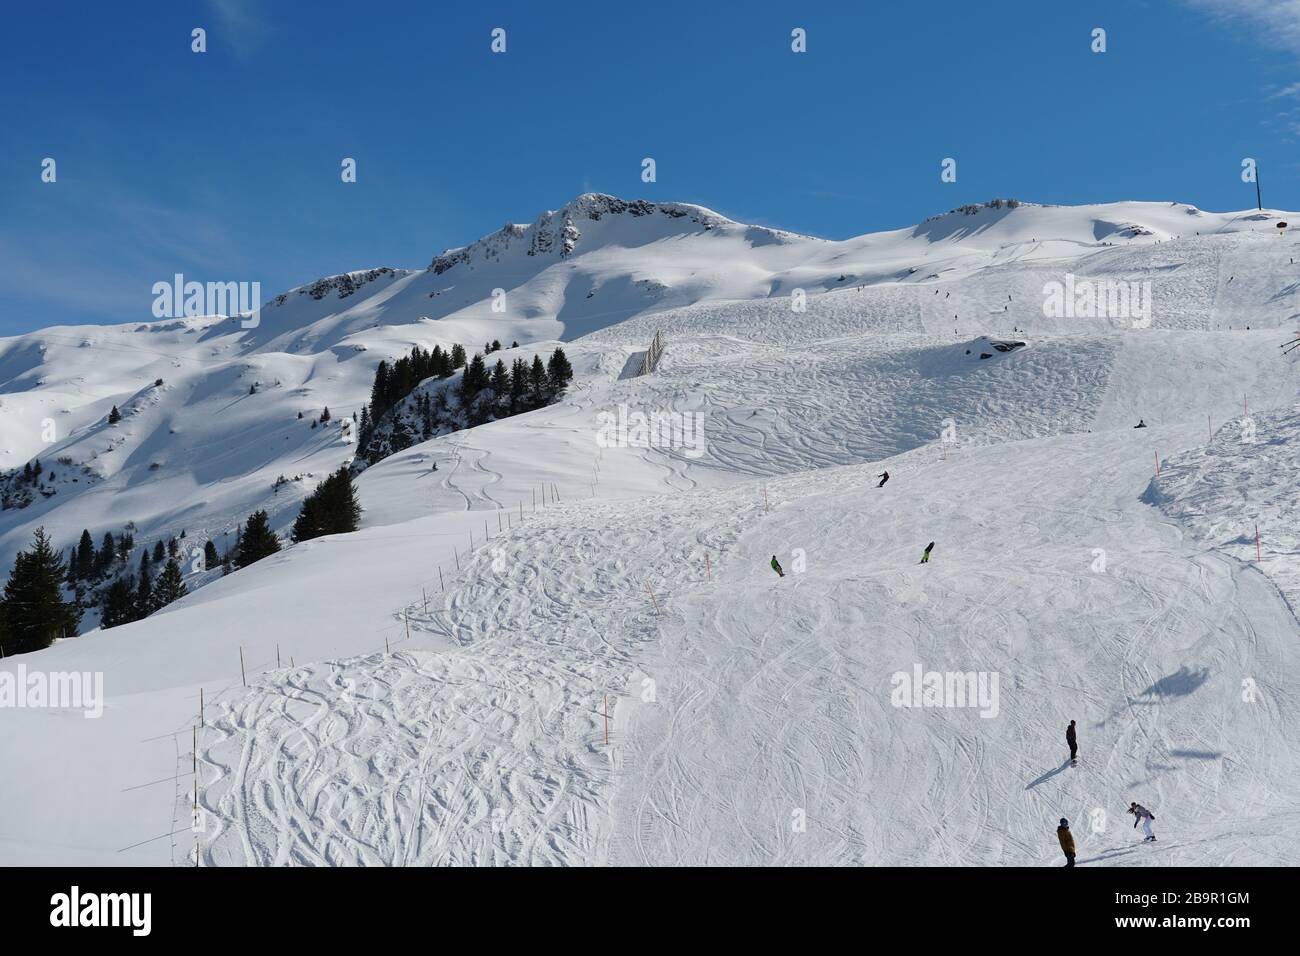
<point x="225" y="165"/>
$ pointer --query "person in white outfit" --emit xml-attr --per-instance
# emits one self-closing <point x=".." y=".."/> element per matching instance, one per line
<point x="1141" y="813"/>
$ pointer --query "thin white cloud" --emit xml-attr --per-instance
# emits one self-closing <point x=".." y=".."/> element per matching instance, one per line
<point x="241" y="24"/>
<point x="1277" y="22"/>
<point x="101" y="266"/>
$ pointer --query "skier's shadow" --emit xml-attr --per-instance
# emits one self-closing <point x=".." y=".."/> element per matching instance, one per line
<point x="1049" y="775"/>
<point x="1108" y="855"/>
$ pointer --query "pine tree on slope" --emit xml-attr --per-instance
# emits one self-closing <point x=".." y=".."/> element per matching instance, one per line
<point x="257" y="541"/>
<point x="33" y="612"/>
<point x="170" y="585"/>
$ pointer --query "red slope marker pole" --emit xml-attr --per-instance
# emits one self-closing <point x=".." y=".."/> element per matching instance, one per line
<point x="607" y="720"/>
<point x="764" y="501"/>
<point x="652" y="597"/>
<point x="1157" y="454"/>
<point x="708" y="570"/>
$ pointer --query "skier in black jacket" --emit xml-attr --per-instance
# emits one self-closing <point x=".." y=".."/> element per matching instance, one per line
<point x="1073" y="742"/>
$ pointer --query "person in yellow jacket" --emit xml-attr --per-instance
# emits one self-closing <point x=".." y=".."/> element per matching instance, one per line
<point x="1066" y="839"/>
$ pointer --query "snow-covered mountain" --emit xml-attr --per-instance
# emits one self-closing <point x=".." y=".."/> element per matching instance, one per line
<point x="202" y="450"/>
<point x="443" y="672"/>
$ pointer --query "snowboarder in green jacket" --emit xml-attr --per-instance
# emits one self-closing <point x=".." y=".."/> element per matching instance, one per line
<point x="776" y="566"/>
<point x="925" y="555"/>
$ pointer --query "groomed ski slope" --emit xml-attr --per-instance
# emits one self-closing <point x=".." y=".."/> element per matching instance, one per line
<point x="771" y="695"/>
<point x="481" y="738"/>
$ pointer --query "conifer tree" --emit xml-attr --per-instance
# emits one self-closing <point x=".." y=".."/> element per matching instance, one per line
<point x="441" y="364"/>
<point x="474" y="380"/>
<point x="143" y="595"/>
<point x="33" y="612"/>
<point x="332" y="508"/>
<point x="501" y="383"/>
<point x="114" y="416"/>
<point x="170" y="585"/>
<point x="257" y="541"/>
<point x="537" y="382"/>
<point x="83" y="565"/>
<point x="559" y="371"/>
<point x="107" y="552"/>
<point x="518" y="386"/>
<point x="118" y="606"/>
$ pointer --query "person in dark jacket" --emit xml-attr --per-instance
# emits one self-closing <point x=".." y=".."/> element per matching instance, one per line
<point x="1073" y="742"/>
<point x="776" y="566"/>
<point x="1140" y="424"/>
<point x="1066" y="839"/>
<point x="925" y="555"/>
<point x="883" y="478"/>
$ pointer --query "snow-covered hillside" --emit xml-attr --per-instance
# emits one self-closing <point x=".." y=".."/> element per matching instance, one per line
<point x="444" y="673"/>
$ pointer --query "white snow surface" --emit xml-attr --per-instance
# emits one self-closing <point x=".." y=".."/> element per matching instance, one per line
<point x="445" y="673"/>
